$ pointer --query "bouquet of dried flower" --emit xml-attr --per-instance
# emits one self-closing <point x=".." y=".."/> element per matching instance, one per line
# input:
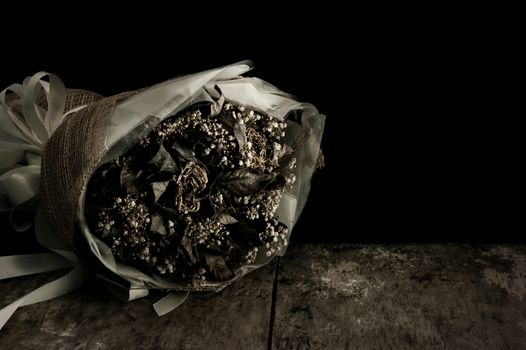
<point x="197" y="197"/>
<point x="186" y="185"/>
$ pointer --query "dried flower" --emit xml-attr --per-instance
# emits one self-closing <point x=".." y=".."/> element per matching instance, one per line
<point x="196" y="199"/>
<point x="190" y="183"/>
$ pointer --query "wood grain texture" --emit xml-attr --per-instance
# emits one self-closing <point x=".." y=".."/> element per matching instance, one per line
<point x="327" y="297"/>
<point x="91" y="318"/>
<point x="401" y="297"/>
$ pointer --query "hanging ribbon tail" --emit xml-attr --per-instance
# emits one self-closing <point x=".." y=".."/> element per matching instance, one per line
<point x="29" y="264"/>
<point x="48" y="291"/>
<point x="21" y="265"/>
<point x="170" y="302"/>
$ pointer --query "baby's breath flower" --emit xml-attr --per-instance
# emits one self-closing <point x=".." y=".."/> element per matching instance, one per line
<point x="193" y="228"/>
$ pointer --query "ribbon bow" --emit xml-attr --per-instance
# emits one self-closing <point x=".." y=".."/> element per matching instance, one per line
<point x="25" y="128"/>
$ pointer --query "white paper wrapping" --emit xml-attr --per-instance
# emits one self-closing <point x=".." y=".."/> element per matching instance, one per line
<point x="23" y="140"/>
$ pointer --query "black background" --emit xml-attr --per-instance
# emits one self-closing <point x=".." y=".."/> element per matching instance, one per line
<point x="410" y="154"/>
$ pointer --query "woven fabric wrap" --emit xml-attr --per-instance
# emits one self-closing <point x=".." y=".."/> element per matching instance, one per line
<point x="74" y="98"/>
<point x="78" y="97"/>
<point x="71" y="155"/>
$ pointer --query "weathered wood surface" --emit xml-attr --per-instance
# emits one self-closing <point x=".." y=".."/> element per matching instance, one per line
<point x="91" y="318"/>
<point x="326" y="297"/>
<point x="401" y="297"/>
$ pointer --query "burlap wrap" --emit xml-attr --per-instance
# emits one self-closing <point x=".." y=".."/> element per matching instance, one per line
<point x="71" y="155"/>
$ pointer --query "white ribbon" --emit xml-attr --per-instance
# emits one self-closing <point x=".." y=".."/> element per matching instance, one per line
<point x="170" y="302"/>
<point x="29" y="264"/>
<point x="21" y="265"/>
<point x="25" y="128"/>
<point x="34" y="126"/>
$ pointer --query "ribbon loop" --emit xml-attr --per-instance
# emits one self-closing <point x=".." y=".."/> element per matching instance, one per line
<point x="25" y="128"/>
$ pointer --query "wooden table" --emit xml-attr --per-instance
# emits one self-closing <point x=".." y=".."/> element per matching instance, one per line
<point x="328" y="296"/>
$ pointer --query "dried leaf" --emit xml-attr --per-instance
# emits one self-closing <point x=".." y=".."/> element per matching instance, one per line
<point x="160" y="176"/>
<point x="278" y="182"/>
<point x="184" y="153"/>
<point x="157" y="224"/>
<point x="163" y="161"/>
<point x="217" y="267"/>
<point x="240" y="131"/>
<point x="103" y="184"/>
<point x="228" y="122"/>
<point x="288" y="149"/>
<point x="158" y="189"/>
<point x="226" y="219"/>
<point x="128" y="180"/>
<point x="242" y="182"/>
<point x="246" y="233"/>
<point x="285" y="155"/>
<point x="285" y="150"/>
<point x="187" y="246"/>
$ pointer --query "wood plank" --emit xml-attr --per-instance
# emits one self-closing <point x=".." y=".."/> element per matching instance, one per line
<point x="401" y="297"/>
<point x="91" y="318"/>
